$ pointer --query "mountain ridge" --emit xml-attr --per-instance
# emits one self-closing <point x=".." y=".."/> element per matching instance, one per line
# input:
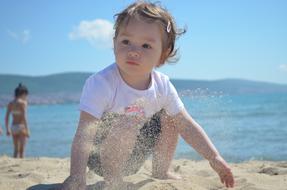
<point x="67" y="87"/>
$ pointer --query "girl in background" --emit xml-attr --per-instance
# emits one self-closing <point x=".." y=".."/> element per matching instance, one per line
<point x="19" y="128"/>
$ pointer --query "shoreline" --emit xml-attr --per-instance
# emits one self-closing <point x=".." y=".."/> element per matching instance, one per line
<point x="43" y="173"/>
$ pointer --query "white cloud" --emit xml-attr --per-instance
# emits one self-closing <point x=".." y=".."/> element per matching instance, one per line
<point x="98" y="32"/>
<point x="283" y="67"/>
<point x="22" y="37"/>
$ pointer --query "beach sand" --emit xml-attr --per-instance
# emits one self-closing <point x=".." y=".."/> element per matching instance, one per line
<point x="46" y="173"/>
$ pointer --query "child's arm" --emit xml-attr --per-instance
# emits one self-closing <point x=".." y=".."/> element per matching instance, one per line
<point x="81" y="147"/>
<point x="8" y="131"/>
<point x="24" y="106"/>
<point x="194" y="135"/>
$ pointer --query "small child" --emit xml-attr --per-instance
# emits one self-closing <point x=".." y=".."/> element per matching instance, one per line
<point x="129" y="110"/>
<point x="19" y="128"/>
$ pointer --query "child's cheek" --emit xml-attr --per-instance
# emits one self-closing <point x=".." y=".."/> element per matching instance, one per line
<point x="122" y="49"/>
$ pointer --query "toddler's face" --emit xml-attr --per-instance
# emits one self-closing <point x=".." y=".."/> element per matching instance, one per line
<point x="138" y="47"/>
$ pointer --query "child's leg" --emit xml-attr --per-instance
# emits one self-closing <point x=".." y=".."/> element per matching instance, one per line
<point x="22" y="143"/>
<point x="115" y="151"/>
<point x="164" y="149"/>
<point x="16" y="145"/>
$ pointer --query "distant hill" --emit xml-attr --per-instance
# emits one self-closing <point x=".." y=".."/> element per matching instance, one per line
<point x="66" y="87"/>
<point x="56" y="83"/>
<point x="231" y="86"/>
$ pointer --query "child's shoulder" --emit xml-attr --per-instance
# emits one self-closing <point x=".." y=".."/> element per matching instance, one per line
<point x="107" y="74"/>
<point x="164" y="83"/>
<point x="16" y="104"/>
<point x="160" y="77"/>
<point x="102" y="79"/>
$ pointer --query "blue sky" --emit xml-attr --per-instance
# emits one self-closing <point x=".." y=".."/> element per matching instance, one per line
<point x="244" y="39"/>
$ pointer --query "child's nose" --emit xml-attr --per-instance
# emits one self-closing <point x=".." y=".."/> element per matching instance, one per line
<point x="134" y="53"/>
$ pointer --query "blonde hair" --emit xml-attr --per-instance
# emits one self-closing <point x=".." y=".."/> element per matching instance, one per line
<point x="153" y="12"/>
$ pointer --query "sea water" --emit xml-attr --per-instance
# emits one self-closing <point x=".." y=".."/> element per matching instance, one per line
<point x="242" y="127"/>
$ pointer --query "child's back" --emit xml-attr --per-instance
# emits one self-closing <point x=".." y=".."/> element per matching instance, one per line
<point x="17" y="108"/>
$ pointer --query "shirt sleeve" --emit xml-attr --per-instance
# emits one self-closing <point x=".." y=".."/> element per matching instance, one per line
<point x="173" y="104"/>
<point x="95" y="96"/>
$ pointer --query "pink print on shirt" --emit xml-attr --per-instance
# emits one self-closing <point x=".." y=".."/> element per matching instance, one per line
<point x="134" y="110"/>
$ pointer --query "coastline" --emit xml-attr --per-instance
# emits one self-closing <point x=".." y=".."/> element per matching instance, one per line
<point x="43" y="173"/>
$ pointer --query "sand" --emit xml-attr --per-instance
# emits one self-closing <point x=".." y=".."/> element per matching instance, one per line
<point x="46" y="173"/>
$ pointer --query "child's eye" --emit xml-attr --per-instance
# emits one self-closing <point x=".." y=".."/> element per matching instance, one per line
<point x="146" y="46"/>
<point x="125" y="42"/>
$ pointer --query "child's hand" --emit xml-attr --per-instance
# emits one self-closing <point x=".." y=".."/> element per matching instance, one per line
<point x="27" y="133"/>
<point x="223" y="170"/>
<point x="8" y="133"/>
<point x="73" y="183"/>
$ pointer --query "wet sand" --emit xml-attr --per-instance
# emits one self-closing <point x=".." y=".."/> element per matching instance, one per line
<point x="47" y="173"/>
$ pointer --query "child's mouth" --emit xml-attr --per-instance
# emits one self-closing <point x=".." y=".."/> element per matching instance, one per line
<point x="132" y="63"/>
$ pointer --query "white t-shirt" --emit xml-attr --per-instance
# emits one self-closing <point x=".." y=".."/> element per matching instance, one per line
<point x="106" y="92"/>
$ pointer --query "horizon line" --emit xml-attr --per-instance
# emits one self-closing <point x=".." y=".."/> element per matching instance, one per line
<point x="86" y="72"/>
